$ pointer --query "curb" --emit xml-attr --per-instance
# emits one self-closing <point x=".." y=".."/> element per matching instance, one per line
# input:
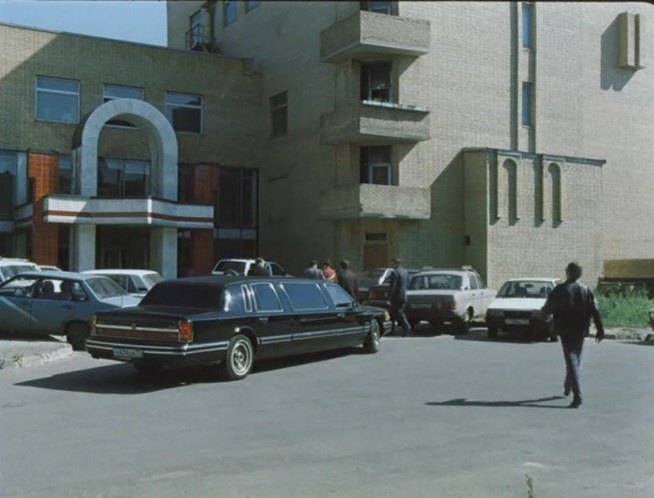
<point x="20" y="361"/>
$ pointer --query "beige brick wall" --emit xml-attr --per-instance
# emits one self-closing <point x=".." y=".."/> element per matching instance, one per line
<point x="230" y="90"/>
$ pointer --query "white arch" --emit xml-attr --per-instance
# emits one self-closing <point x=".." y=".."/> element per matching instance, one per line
<point x="161" y="141"/>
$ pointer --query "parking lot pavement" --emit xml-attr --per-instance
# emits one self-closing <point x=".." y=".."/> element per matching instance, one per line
<point x="17" y="350"/>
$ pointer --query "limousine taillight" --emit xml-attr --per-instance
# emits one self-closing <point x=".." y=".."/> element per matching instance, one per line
<point x="185" y="330"/>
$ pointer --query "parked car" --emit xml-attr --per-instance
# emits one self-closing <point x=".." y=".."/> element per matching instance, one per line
<point x="371" y="277"/>
<point x="378" y="294"/>
<point x="231" y="320"/>
<point x="13" y="266"/>
<point x="517" y="306"/>
<point x="242" y="267"/>
<point x="60" y="303"/>
<point x="135" y="282"/>
<point x="453" y="297"/>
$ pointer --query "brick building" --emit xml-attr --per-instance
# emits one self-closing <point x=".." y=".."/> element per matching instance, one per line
<point x="511" y="136"/>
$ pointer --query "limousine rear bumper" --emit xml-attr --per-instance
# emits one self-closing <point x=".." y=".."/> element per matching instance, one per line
<point x="187" y="353"/>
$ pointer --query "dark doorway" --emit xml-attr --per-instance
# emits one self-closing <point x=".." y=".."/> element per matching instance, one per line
<point x="122" y="247"/>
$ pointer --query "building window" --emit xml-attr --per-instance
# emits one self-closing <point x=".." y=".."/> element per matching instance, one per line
<point x="375" y="164"/>
<point x="378" y="6"/>
<point x="195" y="29"/>
<point x="512" y="190"/>
<point x="555" y="179"/>
<point x="251" y="4"/>
<point x="57" y="99"/>
<point x="184" y="111"/>
<point x="527" y="25"/>
<point x="123" y="177"/>
<point x="376" y="82"/>
<point x="229" y="12"/>
<point x="7" y="177"/>
<point x="279" y="113"/>
<point x="236" y="198"/>
<point x="65" y="174"/>
<point x="527" y="115"/>
<point x="112" y="92"/>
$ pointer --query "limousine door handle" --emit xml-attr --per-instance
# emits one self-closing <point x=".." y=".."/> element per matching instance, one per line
<point x="340" y="315"/>
<point x="263" y="319"/>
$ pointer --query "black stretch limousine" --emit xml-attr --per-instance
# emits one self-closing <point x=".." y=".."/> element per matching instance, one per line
<point x="230" y="320"/>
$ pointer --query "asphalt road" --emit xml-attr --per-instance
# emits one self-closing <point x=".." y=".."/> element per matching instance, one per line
<point x="426" y="416"/>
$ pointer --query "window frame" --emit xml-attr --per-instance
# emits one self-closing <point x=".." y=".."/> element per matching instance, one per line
<point x="192" y="25"/>
<point x="369" y="166"/>
<point x="169" y="115"/>
<point x="367" y="70"/>
<point x="274" y="108"/>
<point x="527" y="34"/>
<point x="59" y="92"/>
<point x="527" y="97"/>
<point x="256" y="300"/>
<point x="106" y="99"/>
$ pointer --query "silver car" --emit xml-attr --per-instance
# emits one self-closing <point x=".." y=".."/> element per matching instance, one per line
<point x="61" y="303"/>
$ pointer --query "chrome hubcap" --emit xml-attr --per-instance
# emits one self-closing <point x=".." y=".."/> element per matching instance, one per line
<point x="241" y="357"/>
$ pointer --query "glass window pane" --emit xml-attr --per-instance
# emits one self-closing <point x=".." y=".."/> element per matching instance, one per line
<point x="526" y="104"/>
<point x="527" y="11"/>
<point x="59" y="84"/>
<point x="339" y="297"/>
<point x="7" y="176"/>
<point x="266" y="297"/>
<point x="183" y="99"/>
<point x="65" y="175"/>
<point x="56" y="107"/>
<point x="122" y="92"/>
<point x="380" y="175"/>
<point x="186" y="119"/>
<point x="305" y="296"/>
<point x="229" y="10"/>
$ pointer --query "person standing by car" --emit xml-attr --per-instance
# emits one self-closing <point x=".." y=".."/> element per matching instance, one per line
<point x="348" y="280"/>
<point x="573" y="305"/>
<point x="328" y="271"/>
<point x="259" y="269"/>
<point x="313" y="271"/>
<point x="398" y="281"/>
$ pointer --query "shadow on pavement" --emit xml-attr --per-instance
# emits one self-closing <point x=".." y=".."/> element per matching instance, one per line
<point x="14" y="336"/>
<point x="481" y="335"/>
<point x="533" y="403"/>
<point x="122" y="378"/>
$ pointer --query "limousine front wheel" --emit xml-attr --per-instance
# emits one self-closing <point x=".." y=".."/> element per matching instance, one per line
<point x="239" y="358"/>
<point x="371" y="342"/>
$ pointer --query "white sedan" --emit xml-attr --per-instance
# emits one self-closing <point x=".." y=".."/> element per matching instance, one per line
<point x="517" y="306"/>
<point x="135" y="282"/>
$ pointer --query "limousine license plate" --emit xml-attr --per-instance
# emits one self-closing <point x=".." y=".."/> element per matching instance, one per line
<point x="517" y="321"/>
<point x="127" y="353"/>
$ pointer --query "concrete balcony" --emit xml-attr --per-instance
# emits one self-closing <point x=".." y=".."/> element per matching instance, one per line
<point x="369" y="35"/>
<point x="146" y="211"/>
<point x="372" y="122"/>
<point x="376" y="201"/>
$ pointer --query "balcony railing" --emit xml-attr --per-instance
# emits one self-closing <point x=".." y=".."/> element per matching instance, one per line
<point x="198" y="40"/>
<point x="369" y="34"/>
<point x="375" y="122"/>
<point x="376" y="201"/>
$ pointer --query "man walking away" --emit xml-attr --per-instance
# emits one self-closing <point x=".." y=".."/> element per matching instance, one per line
<point x="348" y="280"/>
<point x="259" y="268"/>
<point x="573" y="305"/>
<point x="313" y="271"/>
<point x="398" y="282"/>
<point x="328" y="271"/>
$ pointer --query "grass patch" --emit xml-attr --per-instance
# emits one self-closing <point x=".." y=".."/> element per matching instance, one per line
<point x="624" y="308"/>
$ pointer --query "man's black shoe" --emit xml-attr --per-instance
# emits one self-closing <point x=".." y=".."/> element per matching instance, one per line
<point x="576" y="403"/>
<point x="566" y="391"/>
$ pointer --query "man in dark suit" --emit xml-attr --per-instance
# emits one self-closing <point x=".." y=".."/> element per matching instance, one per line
<point x="398" y="282"/>
<point x="573" y="305"/>
<point x="259" y="269"/>
<point x="313" y="271"/>
<point x="348" y="280"/>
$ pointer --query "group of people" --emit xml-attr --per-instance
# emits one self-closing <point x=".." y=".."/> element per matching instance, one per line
<point x="346" y="278"/>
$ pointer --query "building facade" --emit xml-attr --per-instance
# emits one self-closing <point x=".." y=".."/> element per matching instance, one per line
<point x="116" y="154"/>
<point x="511" y="136"/>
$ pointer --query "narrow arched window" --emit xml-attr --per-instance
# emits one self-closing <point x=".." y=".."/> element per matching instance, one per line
<point x="511" y="174"/>
<point x="555" y="184"/>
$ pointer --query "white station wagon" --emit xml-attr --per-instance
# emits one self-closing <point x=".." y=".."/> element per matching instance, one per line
<point x="517" y="308"/>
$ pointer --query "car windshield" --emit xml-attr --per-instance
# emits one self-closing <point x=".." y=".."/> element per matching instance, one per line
<point x="526" y="288"/>
<point x="152" y="279"/>
<point x="436" y="282"/>
<point x="9" y="271"/>
<point x="184" y="296"/>
<point x="104" y="287"/>
<point x="237" y="266"/>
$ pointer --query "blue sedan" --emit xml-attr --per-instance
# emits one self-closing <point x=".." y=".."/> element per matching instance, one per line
<point x="61" y="303"/>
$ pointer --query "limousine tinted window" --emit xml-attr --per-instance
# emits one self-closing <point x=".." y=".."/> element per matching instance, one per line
<point x="183" y="296"/>
<point x="338" y="295"/>
<point x="266" y="297"/>
<point x="235" y="299"/>
<point x="305" y="296"/>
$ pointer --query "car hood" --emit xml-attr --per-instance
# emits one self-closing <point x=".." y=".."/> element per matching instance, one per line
<point x="517" y="303"/>
<point x="122" y="301"/>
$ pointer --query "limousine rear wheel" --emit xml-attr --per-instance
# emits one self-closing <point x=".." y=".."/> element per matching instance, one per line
<point x="371" y="342"/>
<point x="239" y="358"/>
